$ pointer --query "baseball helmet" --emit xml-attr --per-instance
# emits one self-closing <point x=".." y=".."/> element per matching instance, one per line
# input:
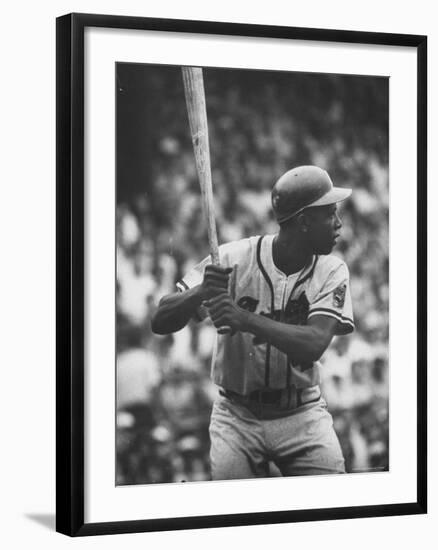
<point x="301" y="188"/>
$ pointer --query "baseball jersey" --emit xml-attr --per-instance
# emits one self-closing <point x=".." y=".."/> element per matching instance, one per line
<point x="244" y="363"/>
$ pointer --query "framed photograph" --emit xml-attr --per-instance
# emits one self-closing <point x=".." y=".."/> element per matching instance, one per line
<point x="241" y="274"/>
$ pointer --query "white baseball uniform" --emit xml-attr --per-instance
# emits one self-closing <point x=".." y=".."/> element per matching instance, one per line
<point x="262" y="379"/>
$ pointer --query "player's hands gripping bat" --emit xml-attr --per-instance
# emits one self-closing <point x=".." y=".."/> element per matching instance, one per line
<point x="195" y="100"/>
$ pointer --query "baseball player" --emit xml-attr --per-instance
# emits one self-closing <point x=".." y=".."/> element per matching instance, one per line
<point x="291" y="297"/>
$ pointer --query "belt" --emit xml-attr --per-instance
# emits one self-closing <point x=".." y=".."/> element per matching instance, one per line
<point x="290" y="398"/>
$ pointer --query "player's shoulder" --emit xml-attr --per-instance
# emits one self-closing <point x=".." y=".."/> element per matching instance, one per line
<point x="237" y="251"/>
<point x="328" y="265"/>
<point x="330" y="262"/>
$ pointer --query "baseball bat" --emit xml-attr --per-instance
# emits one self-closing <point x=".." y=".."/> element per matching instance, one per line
<point x="197" y="112"/>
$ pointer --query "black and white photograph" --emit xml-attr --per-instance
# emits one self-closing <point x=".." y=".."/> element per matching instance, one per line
<point x="252" y="274"/>
<point x="218" y="275"/>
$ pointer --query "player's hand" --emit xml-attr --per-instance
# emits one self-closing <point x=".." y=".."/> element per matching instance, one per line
<point x="215" y="281"/>
<point x="225" y="313"/>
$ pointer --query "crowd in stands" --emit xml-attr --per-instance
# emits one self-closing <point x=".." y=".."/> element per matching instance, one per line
<point x="261" y="124"/>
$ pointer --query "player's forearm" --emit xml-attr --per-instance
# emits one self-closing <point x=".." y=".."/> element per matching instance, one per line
<point x="301" y="343"/>
<point x="175" y="311"/>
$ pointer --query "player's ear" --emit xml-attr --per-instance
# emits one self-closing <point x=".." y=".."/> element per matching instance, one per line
<point x="302" y="221"/>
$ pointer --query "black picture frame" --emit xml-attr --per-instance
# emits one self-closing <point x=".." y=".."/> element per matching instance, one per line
<point x="70" y="273"/>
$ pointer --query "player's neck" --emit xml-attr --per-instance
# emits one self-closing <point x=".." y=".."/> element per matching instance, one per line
<point x="289" y="253"/>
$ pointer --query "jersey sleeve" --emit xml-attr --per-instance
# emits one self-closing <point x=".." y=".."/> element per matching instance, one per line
<point x="191" y="279"/>
<point x="229" y="253"/>
<point x="334" y="300"/>
<point x="194" y="276"/>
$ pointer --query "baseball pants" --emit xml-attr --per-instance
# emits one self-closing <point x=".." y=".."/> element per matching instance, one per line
<point x="302" y="443"/>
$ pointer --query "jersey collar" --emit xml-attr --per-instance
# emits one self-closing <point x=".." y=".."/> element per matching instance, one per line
<point x="267" y="258"/>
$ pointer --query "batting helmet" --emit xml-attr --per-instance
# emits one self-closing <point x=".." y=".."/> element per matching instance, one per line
<point x="301" y="188"/>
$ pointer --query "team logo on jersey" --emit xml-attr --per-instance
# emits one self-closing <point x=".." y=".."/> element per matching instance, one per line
<point x="295" y="312"/>
<point x="339" y="295"/>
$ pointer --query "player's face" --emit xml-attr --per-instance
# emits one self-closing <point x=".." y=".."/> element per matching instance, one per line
<point x="323" y="228"/>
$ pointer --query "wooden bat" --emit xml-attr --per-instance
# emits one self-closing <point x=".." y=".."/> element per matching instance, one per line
<point x="197" y="111"/>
